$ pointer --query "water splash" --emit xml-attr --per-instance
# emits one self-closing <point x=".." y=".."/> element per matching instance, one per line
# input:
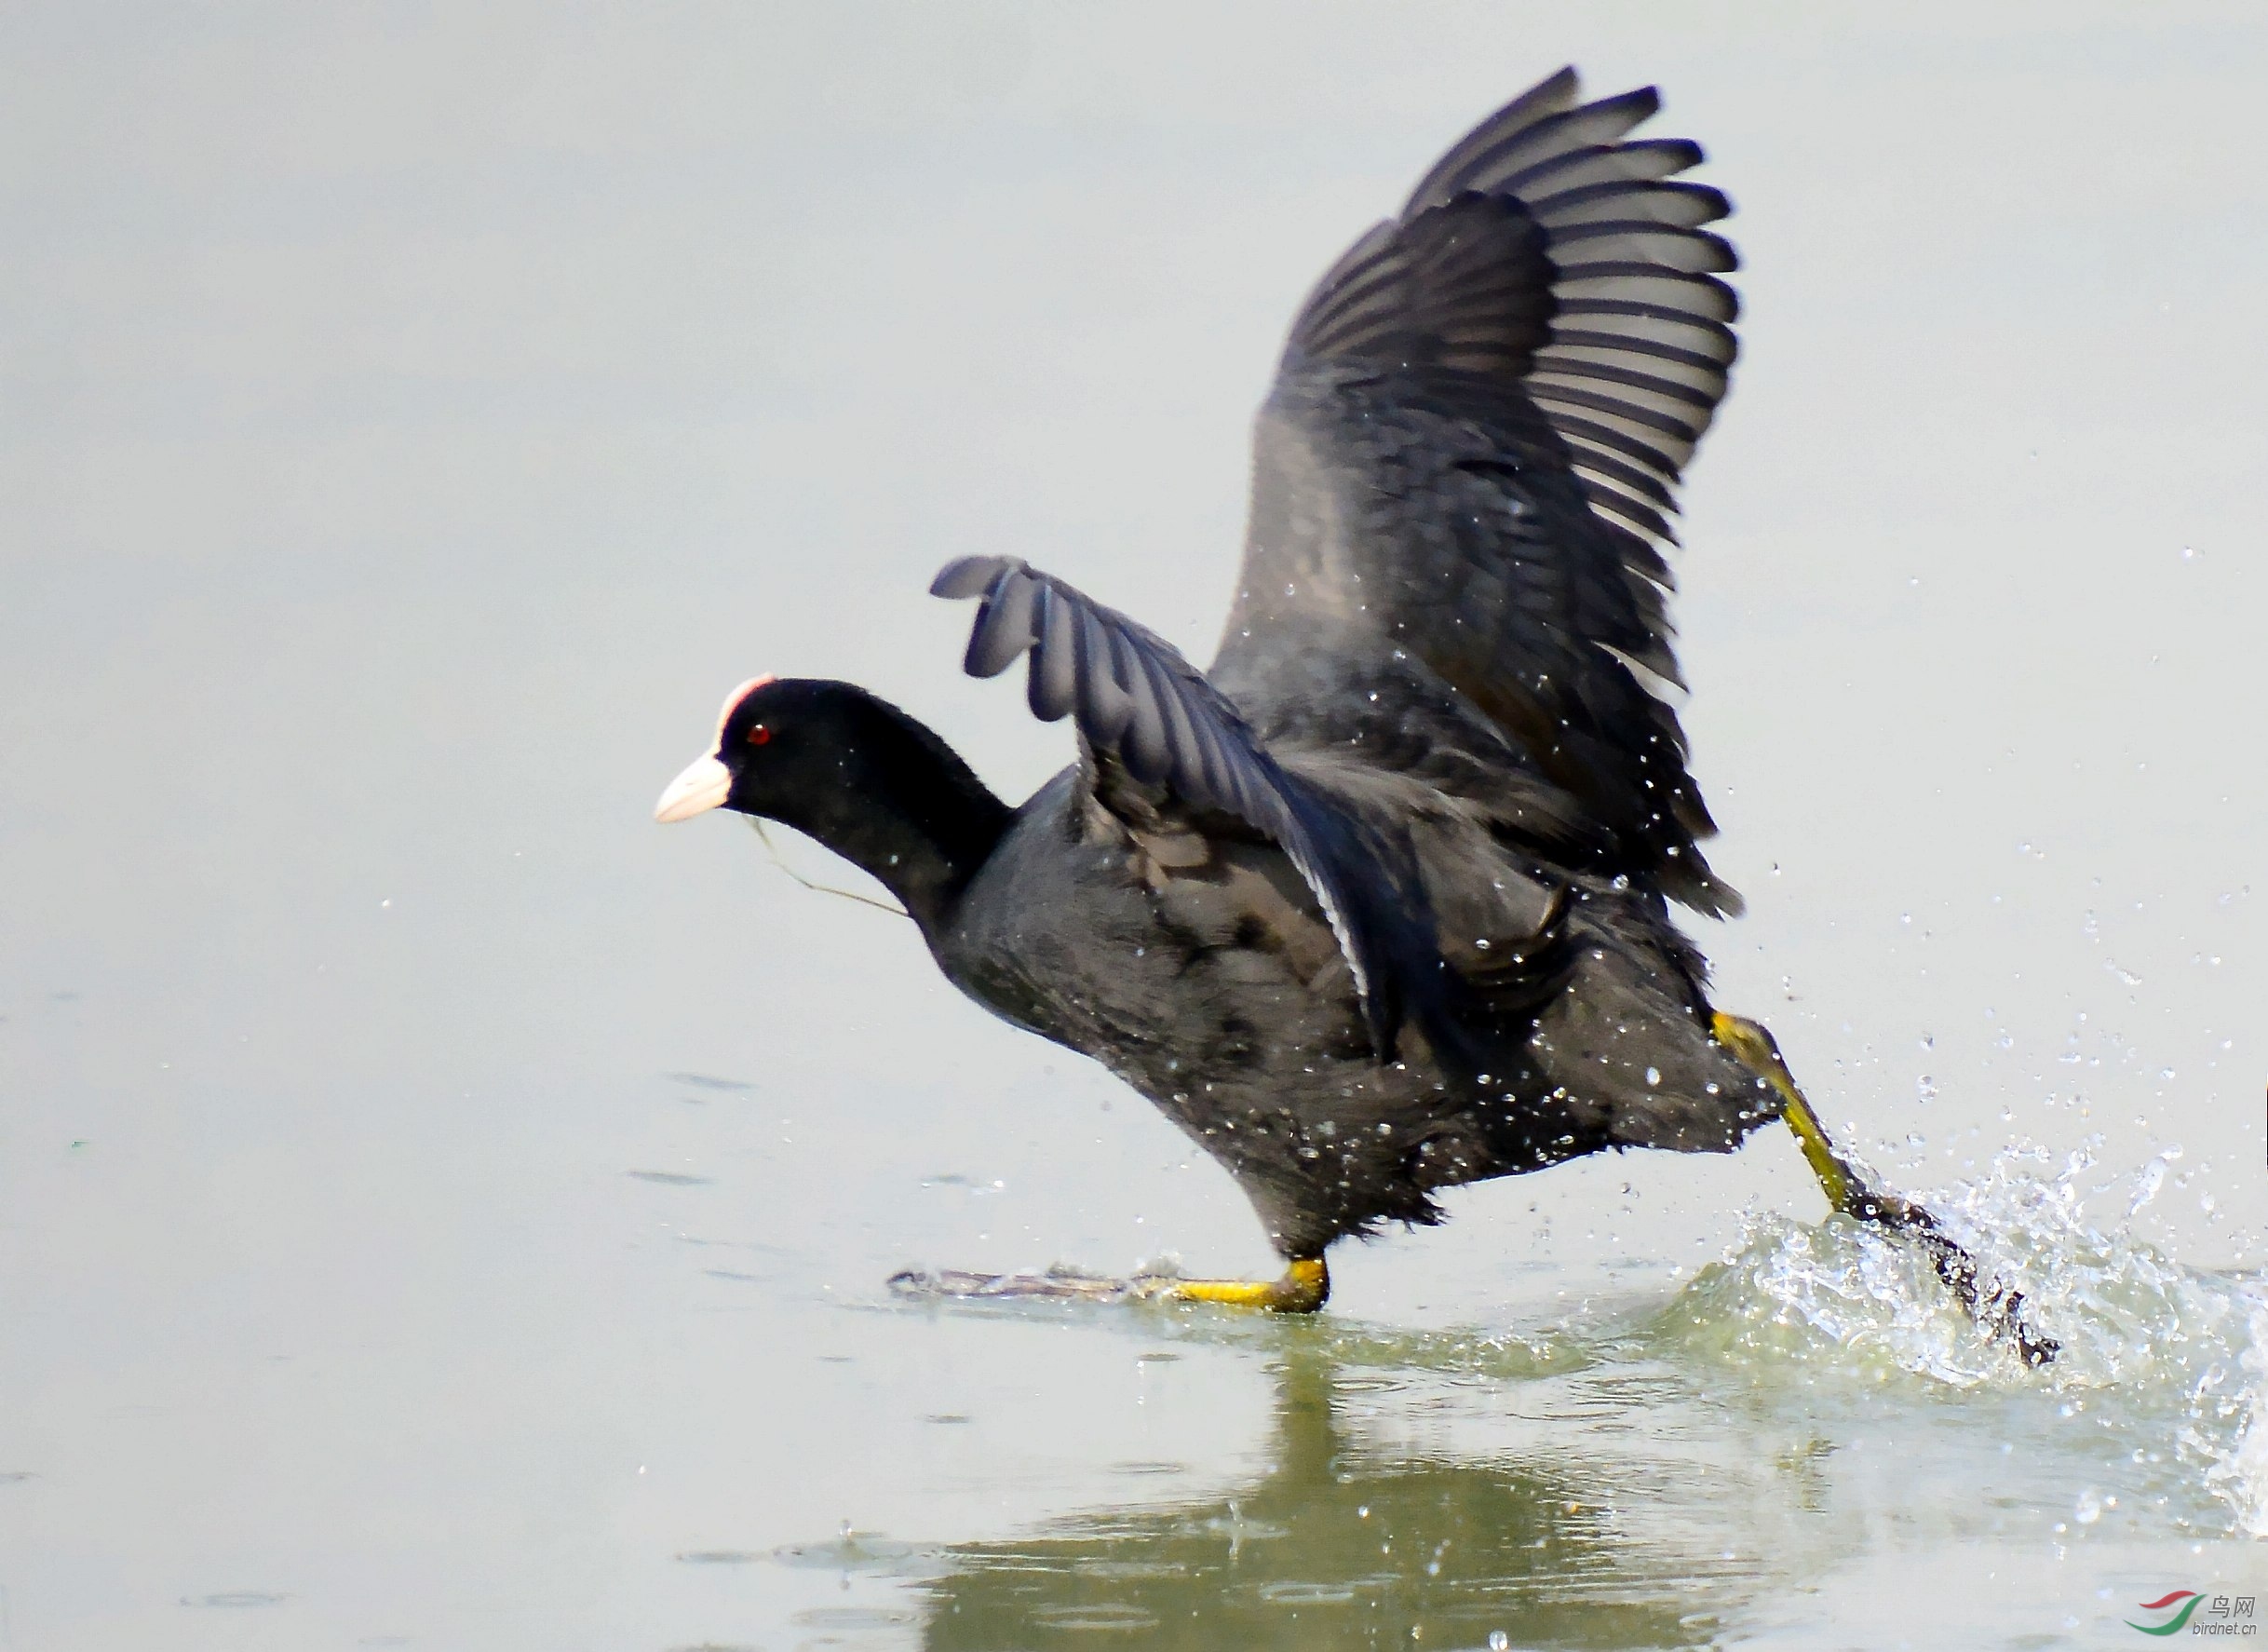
<point x="2241" y="1478"/>
<point x="2178" y="1355"/>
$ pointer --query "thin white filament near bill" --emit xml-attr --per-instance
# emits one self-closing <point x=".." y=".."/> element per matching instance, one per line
<point x="773" y="849"/>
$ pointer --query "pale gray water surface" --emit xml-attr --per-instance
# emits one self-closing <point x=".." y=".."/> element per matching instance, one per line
<point x="439" y="1208"/>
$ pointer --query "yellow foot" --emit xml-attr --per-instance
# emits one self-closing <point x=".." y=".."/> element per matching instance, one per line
<point x="1305" y="1287"/>
<point x="1998" y="1309"/>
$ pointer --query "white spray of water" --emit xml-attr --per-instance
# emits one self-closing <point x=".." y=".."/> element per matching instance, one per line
<point x="2182" y="1353"/>
<point x="2242" y="1476"/>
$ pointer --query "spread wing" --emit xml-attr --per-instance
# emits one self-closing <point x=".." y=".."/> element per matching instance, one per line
<point x="1462" y="473"/>
<point x="1137" y="701"/>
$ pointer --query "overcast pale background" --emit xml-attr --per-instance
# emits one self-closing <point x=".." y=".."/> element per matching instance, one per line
<point x="413" y="418"/>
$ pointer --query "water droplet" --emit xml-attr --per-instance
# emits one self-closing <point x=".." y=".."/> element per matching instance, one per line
<point x="2147" y="1184"/>
<point x="1653" y="1076"/>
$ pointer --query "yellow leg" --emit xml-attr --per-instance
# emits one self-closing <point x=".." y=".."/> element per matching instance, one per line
<point x="1759" y="1052"/>
<point x="1999" y="1310"/>
<point x="1304" y="1287"/>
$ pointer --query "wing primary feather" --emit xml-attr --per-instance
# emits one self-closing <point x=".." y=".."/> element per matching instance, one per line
<point x="1643" y="320"/>
<point x="967" y="576"/>
<point x="1592" y="123"/>
<point x="1618" y="407"/>
<point x="1715" y="360"/>
<point x="1053" y="687"/>
<point x="1574" y="426"/>
<point x="1356" y="312"/>
<point x="1142" y="745"/>
<point x="1004" y="626"/>
<point x="1647" y="485"/>
<point x="1653" y="248"/>
<point x="1223" y="777"/>
<point x="1604" y="373"/>
<point x="1662" y="204"/>
<point x="1321" y="296"/>
<point x="1183" y="766"/>
<point x="1654" y="373"/>
<point x="1103" y="705"/>
<point x="1556" y="91"/>
<point x="1637" y="159"/>
<point x="1644" y="517"/>
<point x="1654" y="289"/>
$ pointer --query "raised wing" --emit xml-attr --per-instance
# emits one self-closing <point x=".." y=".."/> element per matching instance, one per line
<point x="1460" y="473"/>
<point x="1137" y="701"/>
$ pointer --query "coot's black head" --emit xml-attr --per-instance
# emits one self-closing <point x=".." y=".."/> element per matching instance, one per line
<point x="778" y="741"/>
<point x="854" y="772"/>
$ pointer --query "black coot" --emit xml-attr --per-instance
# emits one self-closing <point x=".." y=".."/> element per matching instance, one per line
<point x="1378" y="903"/>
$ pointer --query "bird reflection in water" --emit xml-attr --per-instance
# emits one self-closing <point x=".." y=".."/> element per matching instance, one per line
<point x="1346" y="1541"/>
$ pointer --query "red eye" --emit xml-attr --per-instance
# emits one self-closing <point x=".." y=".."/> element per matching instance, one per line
<point x="760" y="736"/>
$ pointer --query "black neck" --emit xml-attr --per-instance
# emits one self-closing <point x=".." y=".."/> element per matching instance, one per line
<point x="897" y="802"/>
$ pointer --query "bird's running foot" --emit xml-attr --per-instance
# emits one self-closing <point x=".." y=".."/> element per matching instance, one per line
<point x="1305" y="1287"/>
<point x="1998" y="1310"/>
